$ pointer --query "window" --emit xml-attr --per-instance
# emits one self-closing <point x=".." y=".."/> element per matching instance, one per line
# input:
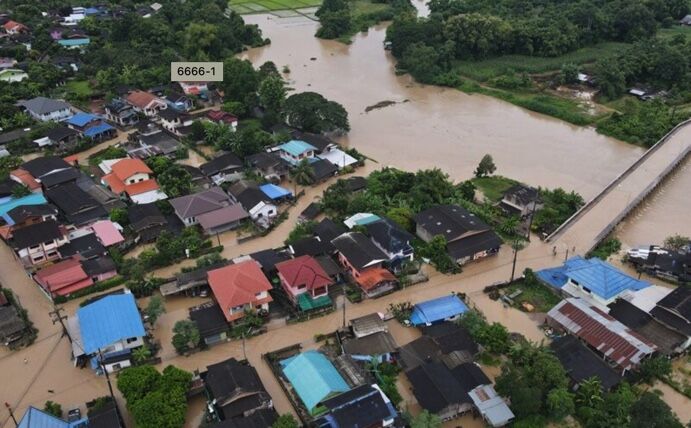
<point x="38" y="259"/>
<point x="52" y="254"/>
<point x="34" y="247"/>
<point x="116" y="366"/>
<point x="301" y="286"/>
<point x="131" y="339"/>
<point x="48" y="243"/>
<point x="586" y="289"/>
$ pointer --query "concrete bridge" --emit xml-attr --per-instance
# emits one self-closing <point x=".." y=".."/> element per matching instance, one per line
<point x="598" y="217"/>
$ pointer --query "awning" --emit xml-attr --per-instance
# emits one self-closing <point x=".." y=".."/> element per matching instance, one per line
<point x="307" y="303"/>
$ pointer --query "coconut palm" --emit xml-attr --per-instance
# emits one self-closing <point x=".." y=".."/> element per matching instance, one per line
<point x="517" y="244"/>
<point x="302" y="174"/>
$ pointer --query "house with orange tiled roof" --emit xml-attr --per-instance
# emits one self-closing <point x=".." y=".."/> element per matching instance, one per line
<point x="14" y="27"/>
<point x="132" y="178"/>
<point x="145" y="102"/>
<point x="240" y="287"/>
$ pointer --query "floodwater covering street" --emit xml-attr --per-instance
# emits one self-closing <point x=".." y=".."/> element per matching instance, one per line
<point x="427" y="127"/>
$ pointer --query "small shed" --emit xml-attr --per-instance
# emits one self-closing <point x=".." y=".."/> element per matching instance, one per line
<point x="368" y="324"/>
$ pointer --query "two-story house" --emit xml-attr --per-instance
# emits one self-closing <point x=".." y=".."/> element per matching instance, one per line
<point x="146" y="103"/>
<point x="225" y="167"/>
<point x="175" y="121"/>
<point x="239" y="288"/>
<point x="269" y="165"/>
<point x="46" y="109"/>
<point x="521" y="200"/>
<point x="393" y="240"/>
<point x="120" y="112"/>
<point x="364" y="261"/>
<point x="179" y="102"/>
<point x="132" y="177"/>
<point x="261" y="208"/>
<point x="235" y="390"/>
<point x="295" y="151"/>
<point x="39" y="242"/>
<point x="106" y="331"/>
<point x="305" y="282"/>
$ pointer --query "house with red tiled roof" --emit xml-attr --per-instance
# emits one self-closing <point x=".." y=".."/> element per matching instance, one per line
<point x="63" y="278"/>
<point x="240" y="287"/>
<point x="131" y="177"/>
<point x="303" y="275"/>
<point x="220" y="116"/>
<point x="145" y="102"/>
<point x="14" y="27"/>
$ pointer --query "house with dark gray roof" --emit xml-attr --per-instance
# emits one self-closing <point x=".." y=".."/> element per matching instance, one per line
<point x="12" y="326"/>
<point x="77" y="206"/>
<point x="269" y="165"/>
<point x="467" y="237"/>
<point x="674" y="310"/>
<point x="327" y="230"/>
<point x="261" y="418"/>
<point x="261" y="208"/>
<point x="211" y="323"/>
<point x="45" y="165"/>
<point x="668" y="341"/>
<point x="223" y="168"/>
<point x="86" y="247"/>
<point x="322" y="170"/>
<point x="188" y="208"/>
<point x="235" y="389"/>
<point x="27" y="214"/>
<point x="38" y="242"/>
<point x="363" y="406"/>
<point x="46" y="109"/>
<point x="146" y="220"/>
<point x="393" y="240"/>
<point x="521" y="200"/>
<point x="582" y="364"/>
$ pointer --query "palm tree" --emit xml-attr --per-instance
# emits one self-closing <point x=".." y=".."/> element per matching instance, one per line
<point x="517" y="244"/>
<point x="141" y="354"/>
<point x="302" y="174"/>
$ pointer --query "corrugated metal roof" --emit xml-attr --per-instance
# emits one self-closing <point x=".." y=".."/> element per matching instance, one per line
<point x="313" y="377"/>
<point x="608" y="336"/>
<point x="108" y="320"/>
<point x="438" y="309"/>
<point x="603" y="279"/>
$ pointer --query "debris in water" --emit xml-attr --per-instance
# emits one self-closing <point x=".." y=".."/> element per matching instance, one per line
<point x="314" y="58"/>
<point x="383" y="104"/>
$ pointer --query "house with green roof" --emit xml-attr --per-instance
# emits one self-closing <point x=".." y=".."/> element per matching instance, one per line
<point x="296" y="150"/>
<point x="313" y="378"/>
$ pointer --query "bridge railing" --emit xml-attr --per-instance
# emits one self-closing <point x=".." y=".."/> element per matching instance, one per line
<point x="618" y="179"/>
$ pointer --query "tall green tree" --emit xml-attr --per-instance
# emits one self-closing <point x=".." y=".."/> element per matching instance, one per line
<point x="312" y="112"/>
<point x="485" y="167"/>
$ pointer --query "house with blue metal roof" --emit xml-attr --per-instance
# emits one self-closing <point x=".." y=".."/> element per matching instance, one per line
<point x="592" y="279"/>
<point x="446" y="308"/>
<point x="296" y="150"/>
<point x="276" y="193"/>
<point x="91" y="126"/>
<point x="35" y="418"/>
<point x="313" y="378"/>
<point x="106" y="330"/>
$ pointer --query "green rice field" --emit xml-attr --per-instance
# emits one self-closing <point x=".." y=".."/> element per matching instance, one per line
<point x="259" y="6"/>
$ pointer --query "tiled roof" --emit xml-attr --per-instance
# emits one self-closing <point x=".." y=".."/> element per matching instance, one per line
<point x="126" y="168"/>
<point x="304" y="270"/>
<point x="370" y="278"/>
<point x="200" y="203"/>
<point x="237" y="285"/>
<point x="140" y="99"/>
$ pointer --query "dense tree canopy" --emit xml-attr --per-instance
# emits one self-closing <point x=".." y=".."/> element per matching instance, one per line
<point x="312" y="112"/>
<point x="156" y="400"/>
<point x="477" y="29"/>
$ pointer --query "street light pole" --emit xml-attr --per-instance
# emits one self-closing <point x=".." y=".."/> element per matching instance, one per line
<point x="513" y="268"/>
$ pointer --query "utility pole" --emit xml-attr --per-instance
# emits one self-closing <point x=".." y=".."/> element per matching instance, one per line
<point x="566" y="256"/>
<point x="56" y="315"/>
<point x="513" y="268"/>
<point x="344" y="305"/>
<point x="110" y="386"/>
<point x="530" y="222"/>
<point x="9" y="409"/>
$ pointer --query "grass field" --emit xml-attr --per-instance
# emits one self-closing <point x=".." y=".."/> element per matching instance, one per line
<point x="258" y="6"/>
<point x="538" y="295"/>
<point x="493" y="187"/>
<point x="493" y="67"/>
<point x="669" y="33"/>
<point x="80" y="88"/>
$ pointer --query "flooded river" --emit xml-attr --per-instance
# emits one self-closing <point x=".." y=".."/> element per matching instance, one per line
<point x="665" y="212"/>
<point x="436" y="127"/>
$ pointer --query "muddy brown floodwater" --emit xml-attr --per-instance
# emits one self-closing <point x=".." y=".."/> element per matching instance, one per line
<point x="665" y="212"/>
<point x="438" y="127"/>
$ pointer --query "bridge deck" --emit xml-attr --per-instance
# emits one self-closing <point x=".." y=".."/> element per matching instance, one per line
<point x="597" y="219"/>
